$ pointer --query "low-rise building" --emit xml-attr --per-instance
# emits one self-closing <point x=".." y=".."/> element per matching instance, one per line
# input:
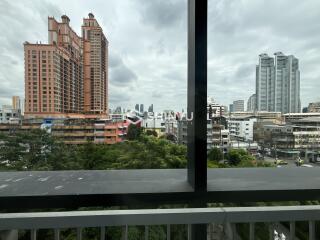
<point x="314" y="107"/>
<point x="308" y="121"/>
<point x="171" y="126"/>
<point x="182" y="131"/>
<point x="77" y="131"/>
<point x="251" y="147"/>
<point x="217" y="136"/>
<point x="117" y="117"/>
<point x="241" y="127"/>
<point x="291" y="117"/>
<point x="155" y="123"/>
<point x="9" y="115"/>
<point x="101" y="132"/>
<point x="215" y="109"/>
<point x="238" y="106"/>
<point x="291" y="137"/>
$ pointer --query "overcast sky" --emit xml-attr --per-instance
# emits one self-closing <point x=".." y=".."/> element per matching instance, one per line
<point x="148" y="45"/>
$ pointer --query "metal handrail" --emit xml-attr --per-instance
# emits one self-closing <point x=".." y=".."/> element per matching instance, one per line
<point x="79" y="219"/>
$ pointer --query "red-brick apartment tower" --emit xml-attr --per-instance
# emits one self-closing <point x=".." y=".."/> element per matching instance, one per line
<point x="68" y="76"/>
<point x="95" y="56"/>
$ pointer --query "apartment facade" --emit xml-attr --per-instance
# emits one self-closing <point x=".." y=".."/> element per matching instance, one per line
<point x="314" y="107"/>
<point x="9" y="115"/>
<point x="155" y="123"/>
<point x="241" y="127"/>
<point x="95" y="63"/>
<point x="215" y="109"/>
<point x="217" y="136"/>
<point x="278" y="83"/>
<point x="56" y="82"/>
<point x="251" y="104"/>
<point x="98" y="132"/>
<point x="76" y="131"/>
<point x="16" y="103"/>
<point x="238" y="106"/>
<point x="182" y="131"/>
<point x="290" y="137"/>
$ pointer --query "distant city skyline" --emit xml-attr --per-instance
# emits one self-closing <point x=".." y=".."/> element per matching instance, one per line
<point x="148" y="46"/>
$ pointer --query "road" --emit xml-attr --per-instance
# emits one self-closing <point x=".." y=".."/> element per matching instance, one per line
<point x="291" y="163"/>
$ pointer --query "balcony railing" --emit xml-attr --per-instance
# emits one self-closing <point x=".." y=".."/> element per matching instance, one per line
<point x="10" y="223"/>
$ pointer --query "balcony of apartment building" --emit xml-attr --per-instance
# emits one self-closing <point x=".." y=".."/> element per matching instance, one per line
<point x="144" y="193"/>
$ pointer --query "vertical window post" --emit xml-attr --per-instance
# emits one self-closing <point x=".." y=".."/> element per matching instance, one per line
<point x="197" y="94"/>
<point x="197" y="106"/>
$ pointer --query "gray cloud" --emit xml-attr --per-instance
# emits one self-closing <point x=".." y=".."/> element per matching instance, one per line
<point x="156" y="94"/>
<point x="148" y="45"/>
<point x="20" y="21"/>
<point x="163" y="14"/>
<point x="120" y="74"/>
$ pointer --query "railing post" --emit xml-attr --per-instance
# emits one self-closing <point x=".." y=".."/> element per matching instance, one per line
<point x="79" y="233"/>
<point x="271" y="231"/>
<point x="197" y="231"/>
<point x="251" y="231"/>
<point x="56" y="234"/>
<point x="189" y="231"/>
<point x="312" y="230"/>
<point x="146" y="232"/>
<point x="125" y="232"/>
<point x="102" y="233"/>
<point x="168" y="232"/>
<point x="292" y="230"/>
<point x="33" y="234"/>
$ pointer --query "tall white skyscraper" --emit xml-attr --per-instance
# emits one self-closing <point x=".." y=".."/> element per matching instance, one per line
<point x="278" y="83"/>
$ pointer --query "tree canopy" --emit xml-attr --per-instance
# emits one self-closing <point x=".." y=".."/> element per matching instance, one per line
<point x="215" y="154"/>
<point x="38" y="150"/>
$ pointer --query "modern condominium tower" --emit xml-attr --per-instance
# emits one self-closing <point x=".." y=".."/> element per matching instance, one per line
<point x="95" y="56"/>
<point x="67" y="77"/>
<point x="278" y="84"/>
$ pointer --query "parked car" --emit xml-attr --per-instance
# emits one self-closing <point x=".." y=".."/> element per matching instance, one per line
<point x="280" y="162"/>
<point x="306" y="165"/>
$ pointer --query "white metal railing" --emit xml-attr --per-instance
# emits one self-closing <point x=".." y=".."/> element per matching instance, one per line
<point x="188" y="216"/>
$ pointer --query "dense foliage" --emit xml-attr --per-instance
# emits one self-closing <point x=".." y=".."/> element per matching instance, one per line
<point x="134" y="132"/>
<point x="37" y="150"/>
<point x="215" y="154"/>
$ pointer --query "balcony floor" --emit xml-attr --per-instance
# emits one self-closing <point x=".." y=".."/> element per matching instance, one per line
<point x="72" y="189"/>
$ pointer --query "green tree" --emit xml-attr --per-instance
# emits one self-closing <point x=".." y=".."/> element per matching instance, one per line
<point x="151" y="133"/>
<point x="171" y="137"/>
<point x="241" y="158"/>
<point x="134" y="132"/>
<point x="26" y="150"/>
<point x="215" y="154"/>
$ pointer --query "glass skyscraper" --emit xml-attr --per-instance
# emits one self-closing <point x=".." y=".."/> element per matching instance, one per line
<point x="278" y="84"/>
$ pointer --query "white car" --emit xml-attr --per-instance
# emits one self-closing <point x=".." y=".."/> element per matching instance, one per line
<point x="306" y="165"/>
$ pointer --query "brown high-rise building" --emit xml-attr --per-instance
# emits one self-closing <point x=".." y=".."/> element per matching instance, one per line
<point x="95" y="56"/>
<point x="56" y="82"/>
<point x="16" y="103"/>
